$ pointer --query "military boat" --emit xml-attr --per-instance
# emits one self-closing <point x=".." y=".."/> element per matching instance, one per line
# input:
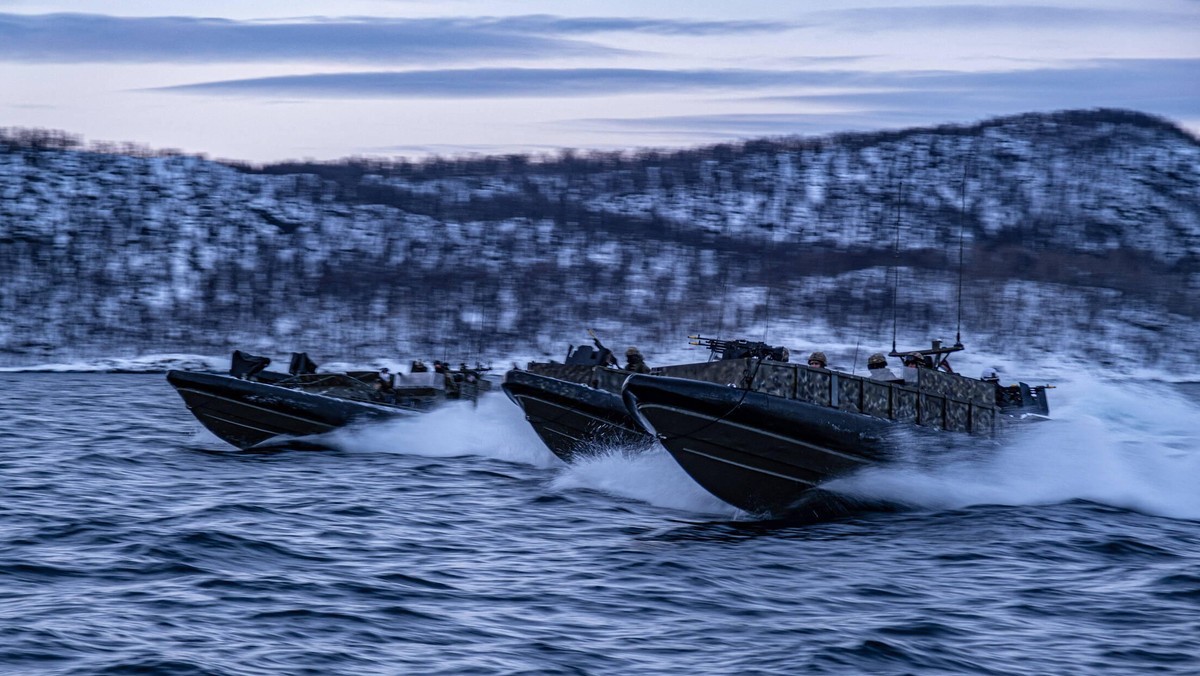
<point x="576" y="406"/>
<point x="250" y="407"/>
<point x="762" y="443"/>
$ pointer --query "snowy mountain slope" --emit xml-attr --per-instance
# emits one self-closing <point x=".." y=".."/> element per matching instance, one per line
<point x="1080" y="234"/>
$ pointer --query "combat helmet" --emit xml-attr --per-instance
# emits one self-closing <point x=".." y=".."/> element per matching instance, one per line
<point x="818" y="357"/>
<point x="877" y="361"/>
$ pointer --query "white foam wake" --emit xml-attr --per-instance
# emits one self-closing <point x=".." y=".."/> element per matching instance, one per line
<point x="644" y="472"/>
<point x="1126" y="444"/>
<point x="495" y="428"/>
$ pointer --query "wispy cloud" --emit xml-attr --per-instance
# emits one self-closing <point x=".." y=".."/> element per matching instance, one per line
<point x="546" y="23"/>
<point x="830" y="60"/>
<point x="1163" y="86"/>
<point x="77" y="38"/>
<point x="509" y="82"/>
<point x="721" y="125"/>
<point x="1148" y="84"/>
<point x="997" y="16"/>
<point x="930" y="97"/>
<point x="71" y="38"/>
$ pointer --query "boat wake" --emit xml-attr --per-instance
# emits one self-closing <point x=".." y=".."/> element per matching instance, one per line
<point x="497" y="429"/>
<point x="494" y="428"/>
<point x="1127" y="444"/>
<point x="644" y="472"/>
<point x="1124" y="444"/>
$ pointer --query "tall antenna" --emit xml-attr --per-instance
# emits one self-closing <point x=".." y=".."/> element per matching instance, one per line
<point x="770" y="253"/>
<point x="962" y="227"/>
<point x="895" y="266"/>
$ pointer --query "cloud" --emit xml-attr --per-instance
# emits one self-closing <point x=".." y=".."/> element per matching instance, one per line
<point x="76" y="38"/>
<point x="544" y="23"/>
<point x="889" y="100"/>
<point x="1161" y="86"/>
<point x="828" y="60"/>
<point x="79" y="38"/>
<point x="996" y="16"/>
<point x="736" y="125"/>
<point x="509" y="82"/>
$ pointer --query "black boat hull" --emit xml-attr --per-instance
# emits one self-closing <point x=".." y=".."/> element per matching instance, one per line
<point x="758" y="452"/>
<point x="571" y="417"/>
<point x="246" y="413"/>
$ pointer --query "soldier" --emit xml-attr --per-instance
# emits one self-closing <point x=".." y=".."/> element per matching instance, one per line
<point x="877" y="365"/>
<point x="418" y="366"/>
<point x="383" y="387"/>
<point x="635" y="362"/>
<point x="817" y="360"/>
<point x="913" y="361"/>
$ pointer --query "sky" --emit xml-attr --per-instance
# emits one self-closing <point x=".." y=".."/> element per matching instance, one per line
<point x="267" y="81"/>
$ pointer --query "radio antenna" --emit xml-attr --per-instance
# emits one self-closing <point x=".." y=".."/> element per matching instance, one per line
<point x="962" y="228"/>
<point x="895" y="263"/>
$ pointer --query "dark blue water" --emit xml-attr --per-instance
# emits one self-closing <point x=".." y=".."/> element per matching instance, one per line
<point x="132" y="542"/>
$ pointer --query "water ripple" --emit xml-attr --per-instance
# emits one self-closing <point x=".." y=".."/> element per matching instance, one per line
<point x="131" y="543"/>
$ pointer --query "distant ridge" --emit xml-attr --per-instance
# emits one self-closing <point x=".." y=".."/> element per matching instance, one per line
<point x="1082" y="233"/>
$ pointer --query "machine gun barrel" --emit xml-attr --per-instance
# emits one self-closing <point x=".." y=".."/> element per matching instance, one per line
<point x="606" y="355"/>
<point x="738" y="349"/>
<point x="714" y="344"/>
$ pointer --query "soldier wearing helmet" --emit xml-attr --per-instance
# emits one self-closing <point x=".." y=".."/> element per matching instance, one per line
<point x="877" y="365"/>
<point x="913" y="362"/>
<point x="817" y="360"/>
<point x="634" y="361"/>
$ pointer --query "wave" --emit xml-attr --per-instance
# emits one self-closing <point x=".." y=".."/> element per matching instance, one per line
<point x="149" y="363"/>
<point x="644" y="472"/>
<point x="493" y="428"/>
<point x="497" y="429"/>
<point x="1132" y="445"/>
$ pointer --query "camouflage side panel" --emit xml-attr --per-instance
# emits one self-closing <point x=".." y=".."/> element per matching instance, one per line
<point x="609" y="380"/>
<point x="931" y="410"/>
<point x="723" y="372"/>
<point x="904" y="404"/>
<point x="775" y="378"/>
<point x="850" y="389"/>
<point x="940" y="400"/>
<point x="958" y="416"/>
<point x="957" y="387"/>
<point x="576" y="373"/>
<point x="813" y="385"/>
<point x="981" y="393"/>
<point x="877" y="398"/>
<point x="983" y="420"/>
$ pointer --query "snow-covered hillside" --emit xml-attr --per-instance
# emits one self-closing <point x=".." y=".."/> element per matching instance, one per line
<point x="1080" y="233"/>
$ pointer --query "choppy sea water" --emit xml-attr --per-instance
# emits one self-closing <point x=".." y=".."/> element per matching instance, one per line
<point x="131" y="541"/>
